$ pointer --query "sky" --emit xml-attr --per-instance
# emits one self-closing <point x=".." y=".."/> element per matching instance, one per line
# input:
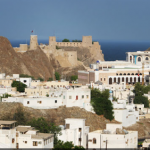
<point x="108" y="20"/>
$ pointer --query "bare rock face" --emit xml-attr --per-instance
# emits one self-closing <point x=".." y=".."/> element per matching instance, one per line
<point x="58" y="115"/>
<point x="33" y="62"/>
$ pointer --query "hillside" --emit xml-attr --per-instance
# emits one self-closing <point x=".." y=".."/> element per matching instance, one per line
<point x="32" y="62"/>
<point x="57" y="115"/>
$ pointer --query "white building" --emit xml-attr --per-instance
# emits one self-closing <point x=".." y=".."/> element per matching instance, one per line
<point x="79" y="97"/>
<point x="26" y="81"/>
<point x="125" y="113"/>
<point x="113" y="137"/>
<point x="75" y="131"/>
<point x="146" y="143"/>
<point x="23" y="136"/>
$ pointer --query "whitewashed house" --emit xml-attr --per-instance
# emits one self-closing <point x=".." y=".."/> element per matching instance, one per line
<point x="75" y="131"/>
<point x="26" y="81"/>
<point x="79" y="97"/>
<point x="114" y="136"/>
<point x="125" y="113"/>
<point x="23" y="136"/>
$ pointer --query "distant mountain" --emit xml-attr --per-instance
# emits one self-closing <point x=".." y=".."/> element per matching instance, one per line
<point x="148" y="49"/>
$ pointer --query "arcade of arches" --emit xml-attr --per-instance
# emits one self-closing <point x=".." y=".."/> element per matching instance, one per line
<point x="127" y="80"/>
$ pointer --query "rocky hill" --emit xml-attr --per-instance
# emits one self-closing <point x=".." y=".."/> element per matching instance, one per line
<point x="58" y="115"/>
<point x="32" y="62"/>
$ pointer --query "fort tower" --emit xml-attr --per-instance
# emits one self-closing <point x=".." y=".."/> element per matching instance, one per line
<point x="33" y="42"/>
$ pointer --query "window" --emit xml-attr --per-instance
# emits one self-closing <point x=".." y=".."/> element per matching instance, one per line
<point x="25" y="142"/>
<point x="67" y="126"/>
<point x="80" y="139"/>
<point x="104" y="79"/>
<point x="87" y="96"/>
<point x="55" y="101"/>
<point x="25" y="81"/>
<point x="146" y="58"/>
<point x="139" y="58"/>
<point x="13" y="140"/>
<point x="39" y="102"/>
<point x="82" y="96"/>
<point x="80" y="129"/>
<point x="94" y="140"/>
<point x="76" y="97"/>
<point x="35" y="143"/>
<point x="64" y="97"/>
<point x="28" y="102"/>
<point x="70" y="97"/>
<point x="101" y="79"/>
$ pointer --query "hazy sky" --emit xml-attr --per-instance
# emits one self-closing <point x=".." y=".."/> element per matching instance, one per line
<point x="126" y="20"/>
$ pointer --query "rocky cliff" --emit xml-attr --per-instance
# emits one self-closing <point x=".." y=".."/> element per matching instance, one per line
<point x="58" y="115"/>
<point x="32" y="62"/>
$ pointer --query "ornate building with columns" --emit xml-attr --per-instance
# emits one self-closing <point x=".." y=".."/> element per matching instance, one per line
<point x="109" y="72"/>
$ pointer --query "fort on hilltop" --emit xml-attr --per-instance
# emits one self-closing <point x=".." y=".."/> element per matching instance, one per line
<point x="69" y="57"/>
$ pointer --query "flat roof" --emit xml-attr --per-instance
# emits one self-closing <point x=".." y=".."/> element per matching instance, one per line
<point x="41" y="136"/>
<point x="6" y="122"/>
<point x="24" y="129"/>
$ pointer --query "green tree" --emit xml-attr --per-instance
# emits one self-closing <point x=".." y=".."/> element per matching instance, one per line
<point x="65" y="40"/>
<point x="50" y="79"/>
<point x="67" y="145"/>
<point x="101" y="104"/>
<point x="26" y="76"/>
<point x="76" y="41"/>
<point x="46" y="127"/>
<point x="74" y="78"/>
<point x="19" y="116"/>
<point x="57" y="76"/>
<point x="19" y="85"/>
<point x="57" y="47"/>
<point x="47" y="95"/>
<point x="141" y="100"/>
<point x="138" y="89"/>
<point x="41" y="79"/>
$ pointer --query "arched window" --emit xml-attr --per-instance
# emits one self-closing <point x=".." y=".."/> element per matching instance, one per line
<point x="130" y="57"/>
<point x="130" y="79"/>
<point x="118" y="80"/>
<point x="146" y="58"/>
<point x="121" y="74"/>
<point x="124" y="74"/>
<point x="128" y="74"/>
<point x="94" y="140"/>
<point x="132" y="73"/>
<point x="116" y="73"/>
<point x="135" y="79"/>
<point x="140" y="73"/>
<point x="123" y="79"/>
<point x="114" y="80"/>
<point x="139" y="58"/>
<point x="110" y="80"/>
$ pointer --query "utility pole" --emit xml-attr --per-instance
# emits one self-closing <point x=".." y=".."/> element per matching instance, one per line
<point x="143" y="73"/>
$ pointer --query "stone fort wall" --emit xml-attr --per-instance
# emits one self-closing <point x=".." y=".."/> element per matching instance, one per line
<point x="66" y="58"/>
